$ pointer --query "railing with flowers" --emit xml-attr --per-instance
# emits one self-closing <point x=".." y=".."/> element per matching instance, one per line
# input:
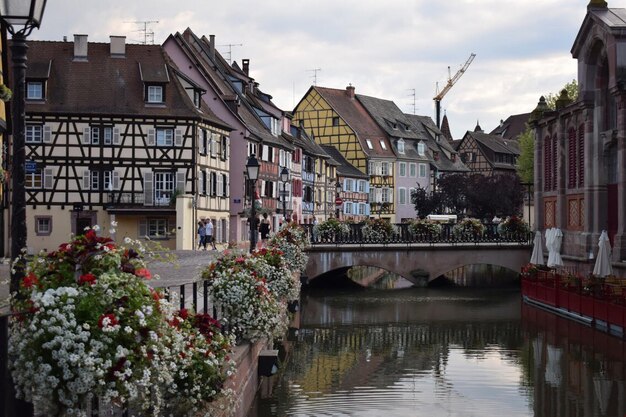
<point x="375" y="233"/>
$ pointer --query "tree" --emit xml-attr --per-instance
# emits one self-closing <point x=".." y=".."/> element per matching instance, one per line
<point x="498" y="195"/>
<point x="425" y="203"/>
<point x="572" y="92"/>
<point x="526" y="159"/>
<point x="453" y="188"/>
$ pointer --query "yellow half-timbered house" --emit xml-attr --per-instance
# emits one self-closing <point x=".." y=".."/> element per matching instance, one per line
<point x="335" y="117"/>
<point x="115" y="133"/>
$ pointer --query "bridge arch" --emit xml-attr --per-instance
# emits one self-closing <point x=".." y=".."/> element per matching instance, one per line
<point x="419" y="264"/>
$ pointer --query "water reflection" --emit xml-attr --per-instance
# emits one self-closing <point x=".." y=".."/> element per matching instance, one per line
<point x="443" y="353"/>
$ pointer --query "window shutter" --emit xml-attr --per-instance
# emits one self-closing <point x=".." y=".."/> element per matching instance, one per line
<point x="367" y="209"/>
<point x="47" y="134"/>
<point x="143" y="228"/>
<point x="199" y="183"/>
<point x="86" y="180"/>
<point x="181" y="181"/>
<point x="151" y="137"/>
<point x="86" y="136"/>
<point x="116" y="180"/>
<point x="220" y="185"/>
<point x="581" y="155"/>
<point x="47" y="178"/>
<point x="116" y="136"/>
<point x="212" y="144"/>
<point x="178" y="137"/>
<point x="367" y="187"/>
<point x="227" y="142"/>
<point x="148" y="194"/>
<point x="225" y="185"/>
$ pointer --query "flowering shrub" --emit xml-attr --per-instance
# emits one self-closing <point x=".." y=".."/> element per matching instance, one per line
<point x="331" y="229"/>
<point x="377" y="230"/>
<point x="468" y="228"/>
<point x="280" y="280"/>
<point x="292" y="241"/>
<point x="513" y="225"/>
<point x="86" y="323"/>
<point x="239" y="286"/>
<point x="425" y="227"/>
<point x="529" y="271"/>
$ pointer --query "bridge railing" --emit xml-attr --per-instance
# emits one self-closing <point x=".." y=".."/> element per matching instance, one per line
<point x="402" y="234"/>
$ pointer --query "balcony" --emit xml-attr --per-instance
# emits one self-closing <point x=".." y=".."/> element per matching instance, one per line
<point x="124" y="202"/>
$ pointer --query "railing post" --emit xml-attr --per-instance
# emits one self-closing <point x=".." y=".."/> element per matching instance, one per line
<point x="194" y="297"/>
<point x="205" y="299"/>
<point x="182" y="296"/>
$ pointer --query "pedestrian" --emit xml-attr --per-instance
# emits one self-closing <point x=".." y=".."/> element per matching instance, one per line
<point x="264" y="228"/>
<point x="201" y="235"/>
<point x="209" y="233"/>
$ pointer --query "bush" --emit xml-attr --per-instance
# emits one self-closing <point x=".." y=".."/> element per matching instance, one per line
<point x="427" y="228"/>
<point x="331" y="229"/>
<point x="468" y="228"/>
<point x="377" y="230"/>
<point x="513" y="225"/>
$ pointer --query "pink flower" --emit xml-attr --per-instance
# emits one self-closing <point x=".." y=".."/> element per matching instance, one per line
<point x="143" y="272"/>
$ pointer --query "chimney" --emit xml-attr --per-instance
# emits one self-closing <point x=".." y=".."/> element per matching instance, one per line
<point x="245" y="63"/>
<point x="350" y="91"/>
<point x="118" y="46"/>
<point x="80" y="47"/>
<point x="212" y="46"/>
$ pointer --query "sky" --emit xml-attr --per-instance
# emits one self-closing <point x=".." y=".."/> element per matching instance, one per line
<point x="397" y="50"/>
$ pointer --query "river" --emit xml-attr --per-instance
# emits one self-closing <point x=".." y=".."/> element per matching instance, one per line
<point x="442" y="352"/>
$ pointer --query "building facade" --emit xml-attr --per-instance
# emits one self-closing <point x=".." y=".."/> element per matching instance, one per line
<point x="488" y="154"/>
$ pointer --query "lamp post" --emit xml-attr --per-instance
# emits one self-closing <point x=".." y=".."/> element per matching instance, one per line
<point x="284" y="177"/>
<point x="338" y="189"/>
<point x="20" y="18"/>
<point x="252" y="169"/>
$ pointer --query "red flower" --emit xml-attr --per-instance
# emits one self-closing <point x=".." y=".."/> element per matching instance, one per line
<point x="183" y="313"/>
<point x="90" y="235"/>
<point x="143" y="272"/>
<point x="29" y="281"/>
<point x="112" y="320"/>
<point x="87" y="279"/>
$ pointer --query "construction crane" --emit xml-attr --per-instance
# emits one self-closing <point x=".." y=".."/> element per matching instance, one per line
<point x="449" y="84"/>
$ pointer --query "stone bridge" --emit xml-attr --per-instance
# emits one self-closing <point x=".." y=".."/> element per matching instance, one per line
<point x="418" y="263"/>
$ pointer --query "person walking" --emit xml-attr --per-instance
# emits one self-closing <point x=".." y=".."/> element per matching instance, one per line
<point x="209" y="233"/>
<point x="201" y="235"/>
<point x="264" y="228"/>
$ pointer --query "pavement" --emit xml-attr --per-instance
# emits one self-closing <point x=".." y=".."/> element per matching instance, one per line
<point x="187" y="268"/>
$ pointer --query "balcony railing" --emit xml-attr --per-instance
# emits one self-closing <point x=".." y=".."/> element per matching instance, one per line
<point x="137" y="199"/>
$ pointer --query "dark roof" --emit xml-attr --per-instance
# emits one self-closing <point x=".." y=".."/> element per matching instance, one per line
<point x="496" y="143"/>
<point x="445" y="128"/>
<point x="109" y="85"/>
<point x="388" y="116"/>
<point x="304" y="141"/>
<point x="344" y="168"/>
<point x="357" y="117"/>
<point x="512" y="127"/>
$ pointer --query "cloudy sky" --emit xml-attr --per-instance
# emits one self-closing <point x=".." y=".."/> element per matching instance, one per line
<point x="385" y="48"/>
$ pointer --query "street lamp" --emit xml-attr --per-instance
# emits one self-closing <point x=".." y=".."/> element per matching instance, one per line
<point x="284" y="177"/>
<point x="338" y="189"/>
<point x="20" y="18"/>
<point x="252" y="169"/>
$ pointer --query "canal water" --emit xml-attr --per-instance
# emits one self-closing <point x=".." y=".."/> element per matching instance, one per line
<point x="442" y="352"/>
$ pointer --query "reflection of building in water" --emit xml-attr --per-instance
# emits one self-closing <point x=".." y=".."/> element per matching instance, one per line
<point x="578" y="371"/>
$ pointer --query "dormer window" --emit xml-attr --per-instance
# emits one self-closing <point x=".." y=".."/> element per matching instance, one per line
<point x="196" y="98"/>
<point x="369" y="144"/>
<point x="401" y="146"/>
<point x="154" y="94"/>
<point x="34" y="90"/>
<point x="421" y="149"/>
<point x="383" y="145"/>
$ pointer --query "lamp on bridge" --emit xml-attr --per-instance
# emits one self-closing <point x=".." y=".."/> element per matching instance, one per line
<point x="284" y="177"/>
<point x="252" y="169"/>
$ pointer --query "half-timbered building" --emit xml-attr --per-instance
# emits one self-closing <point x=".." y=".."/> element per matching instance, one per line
<point x="487" y="154"/>
<point x="116" y="134"/>
<point x="335" y="117"/>
<point x="259" y="127"/>
<point x="311" y="185"/>
<point x="580" y="170"/>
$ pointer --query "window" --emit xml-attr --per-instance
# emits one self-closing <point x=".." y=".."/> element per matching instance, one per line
<point x="163" y="187"/>
<point x="34" y="133"/>
<point x="204" y="142"/>
<point x="335" y="121"/>
<point x="224" y="148"/>
<point x="43" y="225"/>
<point x="95" y="180"/>
<point x="369" y="144"/>
<point x="348" y="207"/>
<point x="34" y="90"/>
<point x="349" y="185"/>
<point x="385" y="169"/>
<point x="362" y="209"/>
<point x="412" y="170"/>
<point x="422" y="170"/>
<point x="402" y="169"/>
<point x="361" y="186"/>
<point x="164" y="136"/>
<point x="157" y="228"/>
<point x="154" y="94"/>
<point x="34" y="179"/>
<point x="402" y="195"/>
<point x="110" y="180"/>
<point x="401" y="146"/>
<point x="383" y="145"/>
<point x="421" y="148"/>
<point x="386" y="195"/>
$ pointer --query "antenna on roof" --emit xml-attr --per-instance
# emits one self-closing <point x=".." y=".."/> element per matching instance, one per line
<point x="230" y="50"/>
<point x="413" y="95"/>
<point x="314" y="76"/>
<point x="148" y="33"/>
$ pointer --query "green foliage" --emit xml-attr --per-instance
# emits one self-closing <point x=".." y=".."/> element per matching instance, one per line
<point x="498" y="195"/>
<point x="526" y="160"/>
<point x="425" y="203"/>
<point x="572" y="92"/>
<point x="453" y="191"/>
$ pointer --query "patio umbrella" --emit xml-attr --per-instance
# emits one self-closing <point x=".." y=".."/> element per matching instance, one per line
<point x="537" y="255"/>
<point x="554" y="247"/>
<point x="553" y="366"/>
<point x="602" y="268"/>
